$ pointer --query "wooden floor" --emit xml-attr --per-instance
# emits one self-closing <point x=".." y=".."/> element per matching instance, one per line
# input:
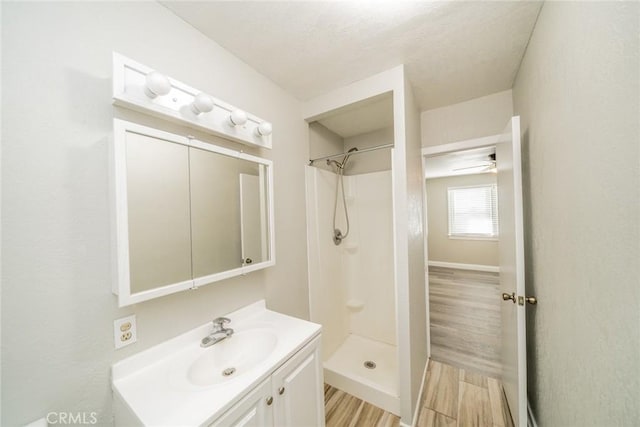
<point x="460" y="398"/>
<point x="451" y="397"/>
<point x="464" y="311"/>
<point x="344" y="410"/>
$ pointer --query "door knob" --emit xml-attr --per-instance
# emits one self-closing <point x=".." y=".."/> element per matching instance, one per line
<point x="269" y="400"/>
<point x="507" y="297"/>
<point x="531" y="300"/>
<point x="248" y="261"/>
<point x="281" y="391"/>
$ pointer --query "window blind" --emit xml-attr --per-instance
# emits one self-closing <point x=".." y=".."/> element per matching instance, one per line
<point x="473" y="211"/>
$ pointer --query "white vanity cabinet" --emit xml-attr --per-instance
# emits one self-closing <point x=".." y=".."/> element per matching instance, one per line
<point x="268" y="373"/>
<point x="298" y="389"/>
<point x="292" y="397"/>
<point x="252" y="411"/>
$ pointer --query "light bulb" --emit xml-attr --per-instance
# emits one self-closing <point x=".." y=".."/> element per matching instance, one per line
<point x="237" y="118"/>
<point x="264" y="129"/>
<point x="202" y="103"/>
<point x="157" y="84"/>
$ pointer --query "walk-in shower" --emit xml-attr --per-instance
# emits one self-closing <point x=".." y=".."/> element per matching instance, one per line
<point x="351" y="262"/>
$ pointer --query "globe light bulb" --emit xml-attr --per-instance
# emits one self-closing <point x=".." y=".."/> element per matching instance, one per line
<point x="202" y="103"/>
<point x="264" y="129"/>
<point x="237" y="118"/>
<point x="157" y="84"/>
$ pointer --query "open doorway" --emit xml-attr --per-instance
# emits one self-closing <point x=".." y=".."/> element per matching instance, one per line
<point x="463" y="259"/>
<point x="510" y="296"/>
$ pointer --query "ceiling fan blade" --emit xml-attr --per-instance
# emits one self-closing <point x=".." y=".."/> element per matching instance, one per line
<point x="474" y="167"/>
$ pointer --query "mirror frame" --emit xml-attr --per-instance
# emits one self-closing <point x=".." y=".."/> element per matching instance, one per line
<point x="121" y="284"/>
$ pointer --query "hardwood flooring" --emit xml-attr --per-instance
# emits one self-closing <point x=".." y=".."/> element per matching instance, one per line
<point x="464" y="308"/>
<point x="460" y="388"/>
<point x="459" y="398"/>
<point x="345" y="410"/>
<point x="452" y="397"/>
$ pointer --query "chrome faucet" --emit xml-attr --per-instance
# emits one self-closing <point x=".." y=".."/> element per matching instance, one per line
<point x="218" y="334"/>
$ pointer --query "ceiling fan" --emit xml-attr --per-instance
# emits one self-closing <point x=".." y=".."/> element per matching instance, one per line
<point x="487" y="165"/>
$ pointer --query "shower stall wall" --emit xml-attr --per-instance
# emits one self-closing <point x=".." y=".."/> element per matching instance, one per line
<point x="352" y="290"/>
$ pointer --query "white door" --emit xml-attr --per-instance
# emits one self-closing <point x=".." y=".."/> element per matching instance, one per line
<point x="514" y="351"/>
<point x="298" y="390"/>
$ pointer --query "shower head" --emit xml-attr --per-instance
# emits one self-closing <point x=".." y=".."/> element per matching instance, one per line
<point x="335" y="162"/>
<point x="346" y="157"/>
<point x="343" y="164"/>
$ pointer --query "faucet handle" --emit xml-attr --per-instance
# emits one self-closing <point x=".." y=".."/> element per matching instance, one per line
<point x="219" y="322"/>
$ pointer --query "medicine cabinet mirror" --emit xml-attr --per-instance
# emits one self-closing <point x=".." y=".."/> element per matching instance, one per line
<point x="187" y="213"/>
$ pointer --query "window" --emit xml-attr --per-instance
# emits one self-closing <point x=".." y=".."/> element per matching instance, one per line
<point x="473" y="212"/>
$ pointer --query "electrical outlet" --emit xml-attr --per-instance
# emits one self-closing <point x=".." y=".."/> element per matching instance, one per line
<point x="124" y="331"/>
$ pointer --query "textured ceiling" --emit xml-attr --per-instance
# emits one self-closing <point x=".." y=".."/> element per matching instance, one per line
<point x="452" y="50"/>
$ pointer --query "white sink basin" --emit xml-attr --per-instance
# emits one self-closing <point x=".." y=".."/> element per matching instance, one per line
<point x="232" y="357"/>
<point x="178" y="382"/>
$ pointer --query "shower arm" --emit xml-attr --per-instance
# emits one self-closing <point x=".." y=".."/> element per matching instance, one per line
<point x="353" y="153"/>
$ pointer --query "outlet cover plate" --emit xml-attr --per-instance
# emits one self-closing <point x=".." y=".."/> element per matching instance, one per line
<point x="125" y="331"/>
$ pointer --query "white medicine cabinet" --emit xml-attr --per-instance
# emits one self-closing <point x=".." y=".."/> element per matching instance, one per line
<point x="186" y="213"/>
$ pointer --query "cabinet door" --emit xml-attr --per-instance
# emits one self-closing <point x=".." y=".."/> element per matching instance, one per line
<point x="252" y="227"/>
<point x="215" y="212"/>
<point x="298" y="389"/>
<point x="252" y="411"/>
<point x="158" y="212"/>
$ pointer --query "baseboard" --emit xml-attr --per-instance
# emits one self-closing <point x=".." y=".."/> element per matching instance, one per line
<point x="460" y="266"/>
<point x="531" y="419"/>
<point x="416" y="413"/>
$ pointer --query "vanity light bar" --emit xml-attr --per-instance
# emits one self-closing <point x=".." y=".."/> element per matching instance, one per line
<point x="140" y="88"/>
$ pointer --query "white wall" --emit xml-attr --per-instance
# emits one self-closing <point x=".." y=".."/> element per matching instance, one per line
<point x="323" y="142"/>
<point x="441" y="247"/>
<point x="476" y="118"/>
<point x="415" y="301"/>
<point x="57" y="307"/>
<point x="328" y="292"/>
<point x="372" y="161"/>
<point x="359" y="269"/>
<point x="577" y="93"/>
<point x="370" y="263"/>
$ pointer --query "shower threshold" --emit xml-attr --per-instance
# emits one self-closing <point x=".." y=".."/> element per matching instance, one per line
<point x="377" y="383"/>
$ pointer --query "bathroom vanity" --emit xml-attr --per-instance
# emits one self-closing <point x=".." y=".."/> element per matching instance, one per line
<point x="268" y="373"/>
